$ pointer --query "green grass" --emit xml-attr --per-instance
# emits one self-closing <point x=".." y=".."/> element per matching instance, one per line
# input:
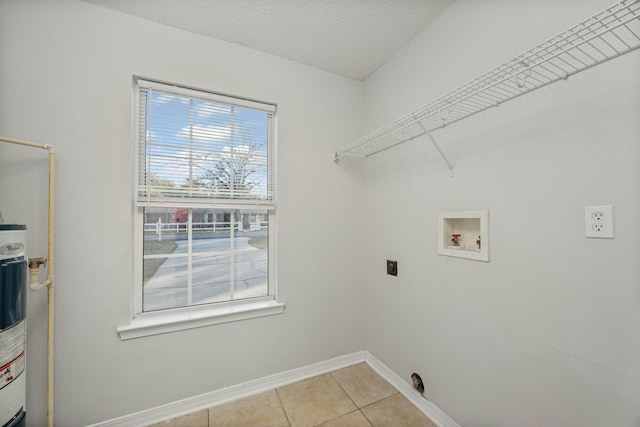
<point x="259" y="242"/>
<point x="154" y="247"/>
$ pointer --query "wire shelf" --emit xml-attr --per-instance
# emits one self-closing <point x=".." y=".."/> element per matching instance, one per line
<point x="611" y="33"/>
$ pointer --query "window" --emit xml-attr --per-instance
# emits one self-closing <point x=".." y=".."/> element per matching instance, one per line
<point x="190" y="260"/>
<point x="205" y="199"/>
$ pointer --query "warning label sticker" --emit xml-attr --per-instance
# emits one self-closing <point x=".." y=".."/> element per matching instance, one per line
<point x="12" y="343"/>
<point x="11" y="371"/>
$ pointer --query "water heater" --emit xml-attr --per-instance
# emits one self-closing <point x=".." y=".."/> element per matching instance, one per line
<point x="13" y="310"/>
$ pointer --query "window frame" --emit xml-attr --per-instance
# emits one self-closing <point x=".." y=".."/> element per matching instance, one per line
<point x="180" y="318"/>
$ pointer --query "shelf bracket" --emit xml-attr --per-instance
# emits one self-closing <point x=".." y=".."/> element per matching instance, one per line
<point x="435" y="144"/>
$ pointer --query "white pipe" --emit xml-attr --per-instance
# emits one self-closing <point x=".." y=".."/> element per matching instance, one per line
<point x="34" y="284"/>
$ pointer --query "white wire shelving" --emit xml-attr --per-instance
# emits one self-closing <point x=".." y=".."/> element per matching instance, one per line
<point x="607" y="35"/>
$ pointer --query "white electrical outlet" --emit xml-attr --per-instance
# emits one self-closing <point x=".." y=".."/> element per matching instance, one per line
<point x="599" y="221"/>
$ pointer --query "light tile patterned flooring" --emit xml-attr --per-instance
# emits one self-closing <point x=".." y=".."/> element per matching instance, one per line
<point x="355" y="396"/>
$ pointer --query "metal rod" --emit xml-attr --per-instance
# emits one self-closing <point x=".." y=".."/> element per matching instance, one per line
<point x="26" y="143"/>
<point x="50" y="286"/>
<point x="386" y="147"/>
<point x="50" y="280"/>
<point x="433" y="141"/>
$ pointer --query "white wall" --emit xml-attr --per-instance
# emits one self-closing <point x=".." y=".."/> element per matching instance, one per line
<point x="66" y="79"/>
<point x="546" y="333"/>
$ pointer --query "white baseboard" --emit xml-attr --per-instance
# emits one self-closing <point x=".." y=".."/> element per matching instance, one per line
<point x="427" y="407"/>
<point x="218" y="397"/>
<point x="207" y="400"/>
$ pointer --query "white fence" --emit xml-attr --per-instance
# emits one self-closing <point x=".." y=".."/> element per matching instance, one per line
<point x="181" y="227"/>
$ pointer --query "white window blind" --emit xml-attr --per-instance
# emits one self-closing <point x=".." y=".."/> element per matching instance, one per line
<point x="196" y="147"/>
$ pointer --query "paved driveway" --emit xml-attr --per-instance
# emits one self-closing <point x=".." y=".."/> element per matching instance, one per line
<point x="210" y="274"/>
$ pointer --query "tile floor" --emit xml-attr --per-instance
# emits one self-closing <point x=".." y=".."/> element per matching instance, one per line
<point x="355" y="396"/>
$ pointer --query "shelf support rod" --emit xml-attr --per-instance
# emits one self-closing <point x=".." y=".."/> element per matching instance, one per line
<point x="435" y="144"/>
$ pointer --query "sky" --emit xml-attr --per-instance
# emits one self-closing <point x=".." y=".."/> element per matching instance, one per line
<point x="186" y="137"/>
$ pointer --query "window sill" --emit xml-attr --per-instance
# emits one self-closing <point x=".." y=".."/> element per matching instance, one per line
<point x="170" y="321"/>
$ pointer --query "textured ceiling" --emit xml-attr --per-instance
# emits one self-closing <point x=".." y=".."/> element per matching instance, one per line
<point x="352" y="38"/>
